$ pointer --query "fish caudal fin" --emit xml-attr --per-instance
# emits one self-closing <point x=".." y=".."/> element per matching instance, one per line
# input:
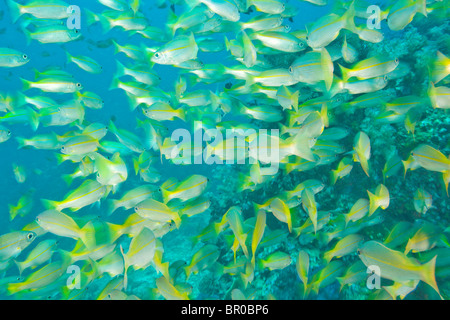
<point x="428" y="274"/>
<point x="15" y="10"/>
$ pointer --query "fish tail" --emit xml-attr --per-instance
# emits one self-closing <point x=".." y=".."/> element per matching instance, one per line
<point x="91" y="17"/>
<point x="373" y="200"/>
<point x="421" y="7"/>
<point x="346" y="219"/>
<point x="114" y="84"/>
<point x="49" y="204"/>
<point x="165" y="194"/>
<point x="445" y="176"/>
<point x="34" y="119"/>
<point x="19" y="99"/>
<point x="302" y="148"/>
<point x="60" y="158"/>
<point x="66" y="256"/>
<point x="14" y="288"/>
<point x="333" y="177"/>
<point x="68" y="179"/>
<point x="327" y="256"/>
<point x="125" y="268"/>
<point x="105" y="23"/>
<point x="120" y="71"/>
<point x="250" y="79"/>
<point x="22" y="142"/>
<point x="134" y="5"/>
<point x="181" y="114"/>
<point x="327" y="67"/>
<point x="13" y="211"/>
<point x="260" y="264"/>
<point x="117" y="48"/>
<point x="440" y="70"/>
<point x="341" y="282"/>
<point x="345" y="73"/>
<point x="428" y="274"/>
<point x="294" y="100"/>
<point x="187" y="271"/>
<point x="349" y="17"/>
<point x="365" y="166"/>
<point x="136" y="165"/>
<point x="20" y="266"/>
<point x="171" y="21"/>
<point x="15" y="10"/>
<point x="193" y="43"/>
<point x="69" y="57"/>
<point x="26" y="85"/>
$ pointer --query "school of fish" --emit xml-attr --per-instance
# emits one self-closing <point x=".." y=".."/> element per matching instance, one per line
<point x="314" y="85"/>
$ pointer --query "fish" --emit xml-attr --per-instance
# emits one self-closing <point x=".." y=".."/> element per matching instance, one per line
<point x="13" y="243"/>
<point x="403" y="11"/>
<point x="140" y="252"/>
<point x="326" y="29"/>
<point x="258" y="233"/>
<point x="203" y="258"/>
<point x="396" y="265"/>
<point x="358" y="211"/>
<point x="132" y="198"/>
<point x="10" y="58"/>
<point x="373" y="67"/>
<point x="188" y="189"/>
<point x="89" y="192"/>
<point x="422" y="201"/>
<point x="430" y="158"/>
<point x="345" y="246"/>
<point x="180" y="49"/>
<point x="379" y="199"/>
<point x="39" y="255"/>
<point x="362" y="150"/>
<point x="275" y="261"/>
<point x="59" y="224"/>
<point x="302" y="267"/>
<point x="86" y="63"/>
<point x="53" y="9"/>
<point x="157" y="211"/>
<point x="40" y="278"/>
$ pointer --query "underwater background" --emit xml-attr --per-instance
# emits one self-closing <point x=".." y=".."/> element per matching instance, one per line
<point x="416" y="46"/>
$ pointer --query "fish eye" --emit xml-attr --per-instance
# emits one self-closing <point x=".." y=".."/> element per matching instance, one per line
<point x="283" y="6"/>
<point x="156" y="55"/>
<point x="396" y="60"/>
<point x="358" y="252"/>
<point x="63" y="148"/>
<point x="386" y="78"/>
<point x="79" y="85"/>
<point x="136" y="208"/>
<point x="306" y="38"/>
<point x="9" y="132"/>
<point x="30" y="236"/>
<point x="291" y="70"/>
<point x="25" y="57"/>
<point x="301" y="44"/>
